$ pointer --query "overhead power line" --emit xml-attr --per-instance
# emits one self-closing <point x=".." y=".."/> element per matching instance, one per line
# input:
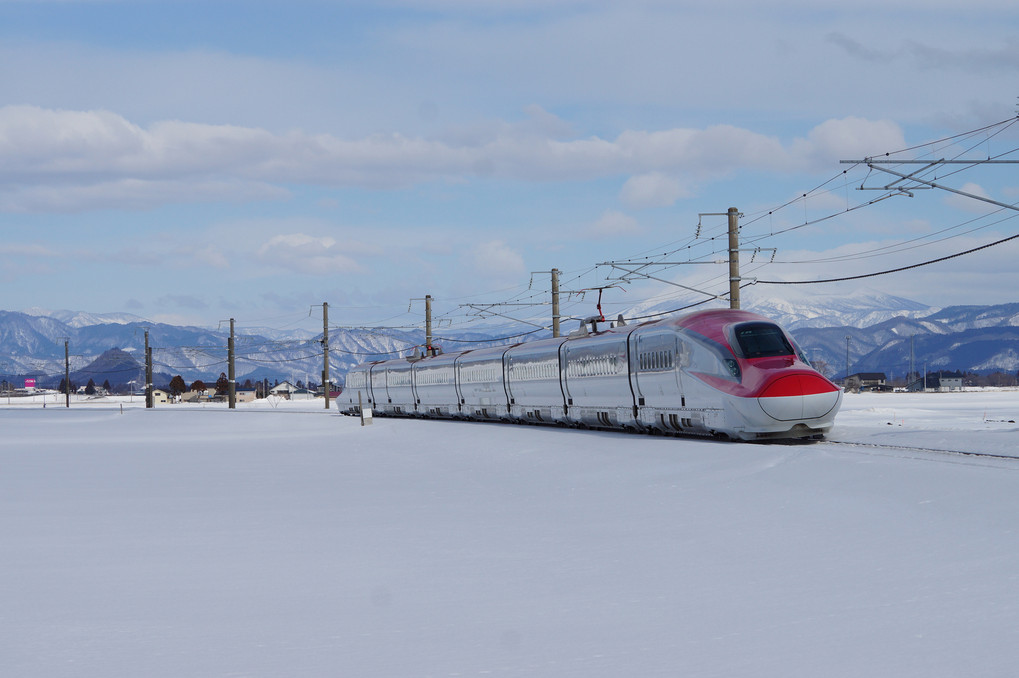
<point x="893" y="270"/>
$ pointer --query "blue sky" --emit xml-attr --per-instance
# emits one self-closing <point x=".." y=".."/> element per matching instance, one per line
<point x="195" y="161"/>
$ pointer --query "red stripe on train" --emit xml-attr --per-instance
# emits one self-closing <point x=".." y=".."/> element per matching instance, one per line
<point x="798" y="384"/>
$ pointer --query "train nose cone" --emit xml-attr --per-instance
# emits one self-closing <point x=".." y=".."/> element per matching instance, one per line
<point x="799" y="396"/>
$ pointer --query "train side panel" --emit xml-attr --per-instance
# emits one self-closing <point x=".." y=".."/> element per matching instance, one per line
<point x="435" y="386"/>
<point x="656" y="357"/>
<point x="481" y="379"/>
<point x="596" y="381"/>
<point x="533" y="382"/>
<point x="399" y="380"/>
<point x="356" y="389"/>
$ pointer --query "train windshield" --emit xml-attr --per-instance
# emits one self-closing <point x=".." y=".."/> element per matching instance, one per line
<point x="762" y="340"/>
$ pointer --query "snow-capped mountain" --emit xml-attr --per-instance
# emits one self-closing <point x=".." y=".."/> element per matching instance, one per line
<point x="961" y="318"/>
<point x="83" y="318"/>
<point x="795" y="309"/>
<point x="883" y="332"/>
<point x="33" y="345"/>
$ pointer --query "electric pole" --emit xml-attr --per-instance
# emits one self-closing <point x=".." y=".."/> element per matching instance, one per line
<point x="847" y="361"/>
<point x="325" y="350"/>
<point x="555" y="302"/>
<point x="148" y="373"/>
<point x="734" y="278"/>
<point x="232" y="385"/>
<point x="67" y="374"/>
<point x="428" y="323"/>
<point x="911" y="368"/>
<point x="639" y="269"/>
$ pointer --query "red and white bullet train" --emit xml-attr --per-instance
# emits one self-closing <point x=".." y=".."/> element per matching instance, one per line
<point x="725" y="373"/>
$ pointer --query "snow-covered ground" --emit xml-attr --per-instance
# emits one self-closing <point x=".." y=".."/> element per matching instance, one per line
<point x="289" y="541"/>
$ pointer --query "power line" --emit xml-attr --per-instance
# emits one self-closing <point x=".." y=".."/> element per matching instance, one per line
<point x="893" y="270"/>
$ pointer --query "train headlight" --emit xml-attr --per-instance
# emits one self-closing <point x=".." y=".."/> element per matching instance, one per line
<point x="733" y="368"/>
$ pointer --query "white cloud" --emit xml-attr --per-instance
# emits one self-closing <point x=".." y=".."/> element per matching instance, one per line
<point x="68" y="160"/>
<point x="306" y="254"/>
<point x="133" y="194"/>
<point x="613" y="224"/>
<point x="973" y="205"/>
<point x="847" y="139"/>
<point x="653" y="190"/>
<point x="496" y="259"/>
<point x="27" y="250"/>
<point x="211" y="256"/>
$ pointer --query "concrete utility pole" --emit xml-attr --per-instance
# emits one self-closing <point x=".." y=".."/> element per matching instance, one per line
<point x="848" y="338"/>
<point x="734" y="278"/>
<point x="325" y="350"/>
<point x="637" y="268"/>
<point x="555" y="302"/>
<point x="911" y="368"/>
<point x="149" y="404"/>
<point x="67" y="374"/>
<point x="232" y="383"/>
<point x="428" y="323"/>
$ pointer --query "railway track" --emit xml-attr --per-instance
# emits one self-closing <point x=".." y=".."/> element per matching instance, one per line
<point x="962" y="454"/>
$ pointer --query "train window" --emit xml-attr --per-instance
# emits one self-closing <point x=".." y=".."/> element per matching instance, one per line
<point x="761" y="340"/>
<point x="702" y="356"/>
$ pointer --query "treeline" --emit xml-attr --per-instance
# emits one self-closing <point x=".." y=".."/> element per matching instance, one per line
<point x="178" y="386"/>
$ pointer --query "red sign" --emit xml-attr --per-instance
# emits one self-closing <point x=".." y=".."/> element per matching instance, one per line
<point x="30" y="383"/>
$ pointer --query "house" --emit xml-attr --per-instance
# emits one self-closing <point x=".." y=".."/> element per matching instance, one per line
<point x="334" y="391"/>
<point x="937" y="381"/>
<point x="160" y="397"/>
<point x="302" y="394"/>
<point x="240" y="396"/>
<point x="282" y="389"/>
<point x="950" y="381"/>
<point x="867" y="381"/>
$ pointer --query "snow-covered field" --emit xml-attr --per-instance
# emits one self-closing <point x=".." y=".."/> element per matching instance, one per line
<point x="289" y="542"/>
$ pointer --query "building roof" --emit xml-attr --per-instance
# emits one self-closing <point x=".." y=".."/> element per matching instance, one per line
<point x="869" y="376"/>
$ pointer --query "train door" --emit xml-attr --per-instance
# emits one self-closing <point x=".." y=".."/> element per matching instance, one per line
<point x="456" y="383"/>
<point x="356" y="389"/>
<point x="657" y="360"/>
<point x="376" y="384"/>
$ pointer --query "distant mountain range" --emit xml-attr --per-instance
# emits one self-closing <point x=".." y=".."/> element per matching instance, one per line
<point x="882" y="331"/>
<point x="32" y="345"/>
